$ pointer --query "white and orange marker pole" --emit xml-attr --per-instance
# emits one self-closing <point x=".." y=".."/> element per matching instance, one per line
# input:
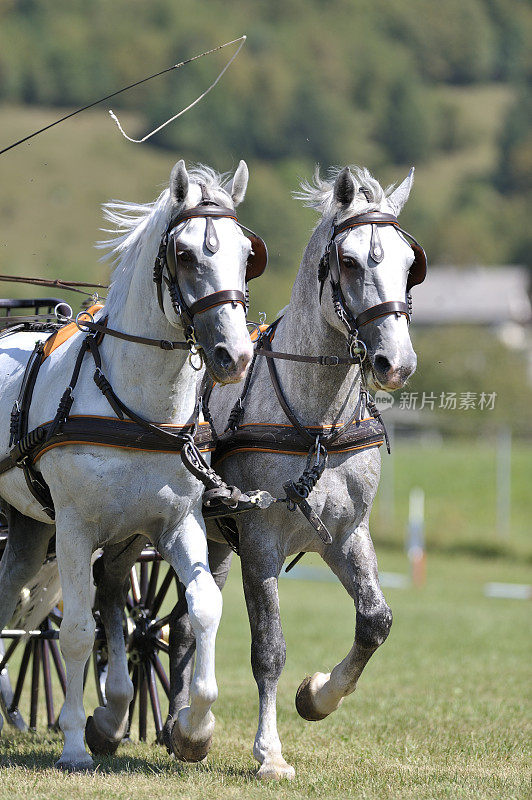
<point x="416" y="536"/>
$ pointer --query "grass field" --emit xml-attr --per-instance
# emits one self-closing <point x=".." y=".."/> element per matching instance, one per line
<point x="443" y="710"/>
<point x="460" y="485"/>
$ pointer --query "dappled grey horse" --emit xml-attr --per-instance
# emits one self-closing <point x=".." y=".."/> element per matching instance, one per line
<point x="104" y="494"/>
<point x="376" y="265"/>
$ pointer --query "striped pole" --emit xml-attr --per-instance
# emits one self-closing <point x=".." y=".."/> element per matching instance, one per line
<point x="416" y="536"/>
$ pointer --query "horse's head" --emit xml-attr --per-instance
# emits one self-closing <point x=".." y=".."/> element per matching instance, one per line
<point x="372" y="265"/>
<point x="207" y="262"/>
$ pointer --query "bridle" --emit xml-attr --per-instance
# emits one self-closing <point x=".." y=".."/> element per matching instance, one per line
<point x="165" y="267"/>
<point x="330" y="266"/>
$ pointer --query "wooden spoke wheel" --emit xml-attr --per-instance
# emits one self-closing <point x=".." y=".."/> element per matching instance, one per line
<point x="42" y="651"/>
<point x="146" y="635"/>
<point x="30" y="659"/>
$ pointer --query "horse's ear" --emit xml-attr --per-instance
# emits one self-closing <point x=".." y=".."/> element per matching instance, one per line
<point x="239" y="184"/>
<point x="179" y="182"/>
<point x="344" y="187"/>
<point x="399" y="196"/>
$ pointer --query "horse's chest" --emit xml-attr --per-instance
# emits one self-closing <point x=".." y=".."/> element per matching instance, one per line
<point x="125" y="493"/>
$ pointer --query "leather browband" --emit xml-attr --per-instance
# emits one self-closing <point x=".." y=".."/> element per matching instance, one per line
<point x="369" y="218"/>
<point x="202" y="211"/>
<point x="217" y="299"/>
<point x="382" y="310"/>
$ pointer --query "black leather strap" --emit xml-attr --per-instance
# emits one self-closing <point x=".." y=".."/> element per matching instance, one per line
<point x="216" y="299"/>
<point x="306" y="435"/>
<point x="206" y="210"/>
<point x="324" y="361"/>
<point x="382" y="310"/>
<point x="164" y="344"/>
<point x="274" y="377"/>
<point x="368" y="218"/>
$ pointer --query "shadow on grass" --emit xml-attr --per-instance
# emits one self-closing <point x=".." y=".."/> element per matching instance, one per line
<point x="39" y="752"/>
<point x="138" y="764"/>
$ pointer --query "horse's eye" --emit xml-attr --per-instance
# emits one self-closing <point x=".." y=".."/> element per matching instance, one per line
<point x="185" y="257"/>
<point x="350" y="263"/>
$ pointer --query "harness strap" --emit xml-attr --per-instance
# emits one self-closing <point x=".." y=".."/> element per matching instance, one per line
<point x="301" y="429"/>
<point x="121" y="409"/>
<point x="65" y="404"/>
<point x="324" y="361"/>
<point x="382" y="310"/>
<point x="164" y="344"/>
<point x="217" y="299"/>
<point x="303" y="432"/>
<point x="19" y="413"/>
<point x="24" y="441"/>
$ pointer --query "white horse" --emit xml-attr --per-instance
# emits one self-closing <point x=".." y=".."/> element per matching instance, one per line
<point x="104" y="495"/>
<point x="376" y="265"/>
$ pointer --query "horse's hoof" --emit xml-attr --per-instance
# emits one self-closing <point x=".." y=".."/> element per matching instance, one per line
<point x="97" y="743"/>
<point x="305" y="702"/>
<point x="277" y="770"/>
<point x="83" y="765"/>
<point x="186" y="749"/>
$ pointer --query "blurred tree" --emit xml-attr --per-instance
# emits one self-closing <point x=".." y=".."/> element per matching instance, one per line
<point x="403" y="128"/>
<point x="514" y="171"/>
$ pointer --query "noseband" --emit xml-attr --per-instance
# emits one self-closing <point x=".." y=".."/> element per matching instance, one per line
<point x="166" y="260"/>
<point x="330" y="266"/>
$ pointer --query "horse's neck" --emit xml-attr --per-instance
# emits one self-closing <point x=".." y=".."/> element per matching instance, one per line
<point x="158" y="384"/>
<point x="316" y="393"/>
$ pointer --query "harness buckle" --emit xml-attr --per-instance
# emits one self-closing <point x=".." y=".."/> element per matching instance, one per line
<point x="164" y="344"/>
<point x="329" y="361"/>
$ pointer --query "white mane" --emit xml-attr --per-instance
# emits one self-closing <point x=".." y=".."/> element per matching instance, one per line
<point x="140" y="225"/>
<point x="318" y="193"/>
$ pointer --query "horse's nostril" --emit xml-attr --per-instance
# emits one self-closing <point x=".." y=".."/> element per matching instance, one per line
<point x="223" y="357"/>
<point x="382" y="365"/>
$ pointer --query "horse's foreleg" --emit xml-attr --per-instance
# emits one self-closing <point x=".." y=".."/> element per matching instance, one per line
<point x="76" y="636"/>
<point x="260" y="570"/>
<point x="186" y="550"/>
<point x="106" y="728"/>
<point x="23" y="556"/>
<point x="355" y="565"/>
<point x="182" y="638"/>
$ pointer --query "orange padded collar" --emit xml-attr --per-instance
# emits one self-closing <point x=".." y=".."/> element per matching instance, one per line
<point x="63" y="334"/>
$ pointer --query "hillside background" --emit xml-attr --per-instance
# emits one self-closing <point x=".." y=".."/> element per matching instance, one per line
<point x="385" y="85"/>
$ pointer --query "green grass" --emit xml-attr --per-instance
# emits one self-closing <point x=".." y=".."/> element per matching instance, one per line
<point x="459" y="480"/>
<point x="442" y="711"/>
